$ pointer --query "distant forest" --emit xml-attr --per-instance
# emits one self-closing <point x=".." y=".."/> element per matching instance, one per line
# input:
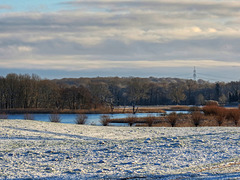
<point x="30" y="91"/>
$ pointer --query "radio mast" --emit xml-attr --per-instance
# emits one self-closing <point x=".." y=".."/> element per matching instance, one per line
<point x="194" y="74"/>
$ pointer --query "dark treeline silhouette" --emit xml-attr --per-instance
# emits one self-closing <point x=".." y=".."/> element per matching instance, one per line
<point x="30" y="91"/>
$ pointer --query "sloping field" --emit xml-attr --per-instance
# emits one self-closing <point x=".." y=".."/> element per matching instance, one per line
<point x="33" y="149"/>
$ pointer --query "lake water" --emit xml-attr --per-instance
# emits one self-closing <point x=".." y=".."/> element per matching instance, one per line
<point x="93" y="119"/>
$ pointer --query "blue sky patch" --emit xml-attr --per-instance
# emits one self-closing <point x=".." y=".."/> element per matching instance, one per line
<point x="30" y="5"/>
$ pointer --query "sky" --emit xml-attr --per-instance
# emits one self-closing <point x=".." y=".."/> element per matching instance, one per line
<point x="90" y="38"/>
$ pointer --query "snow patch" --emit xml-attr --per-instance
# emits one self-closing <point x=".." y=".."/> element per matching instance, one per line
<point x="33" y="149"/>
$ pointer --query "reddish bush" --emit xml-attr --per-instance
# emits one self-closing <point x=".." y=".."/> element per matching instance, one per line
<point x="172" y="118"/>
<point x="210" y="110"/>
<point x="233" y="114"/>
<point x="214" y="110"/>
<point x="150" y="120"/>
<point x="197" y="117"/>
<point x="221" y="115"/>
<point x="209" y="121"/>
<point x="222" y="112"/>
<point x="131" y="119"/>
<point x="220" y="120"/>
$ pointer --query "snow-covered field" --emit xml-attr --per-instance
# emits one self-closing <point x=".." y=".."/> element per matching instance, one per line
<point x="33" y="149"/>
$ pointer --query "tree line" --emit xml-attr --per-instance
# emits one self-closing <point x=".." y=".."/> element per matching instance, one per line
<point x="30" y="91"/>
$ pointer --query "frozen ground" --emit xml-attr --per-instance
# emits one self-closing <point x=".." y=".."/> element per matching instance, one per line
<point x="42" y="150"/>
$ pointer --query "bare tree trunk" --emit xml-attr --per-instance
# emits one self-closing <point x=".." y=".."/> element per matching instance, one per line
<point x="134" y="109"/>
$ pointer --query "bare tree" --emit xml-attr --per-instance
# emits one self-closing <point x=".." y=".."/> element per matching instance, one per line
<point x="100" y="92"/>
<point x="136" y="90"/>
<point x="172" y="118"/>
<point x="176" y="93"/>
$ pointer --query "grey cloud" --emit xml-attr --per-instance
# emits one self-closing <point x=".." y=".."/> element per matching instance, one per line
<point x="218" y="49"/>
<point x="52" y="22"/>
<point x="141" y="18"/>
<point x="115" y="48"/>
<point x="148" y="30"/>
<point x="162" y="5"/>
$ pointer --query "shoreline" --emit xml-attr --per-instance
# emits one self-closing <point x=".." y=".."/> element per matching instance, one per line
<point x="106" y="110"/>
<point x="116" y="110"/>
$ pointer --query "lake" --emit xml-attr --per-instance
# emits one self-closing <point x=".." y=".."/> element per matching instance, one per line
<point x="93" y="119"/>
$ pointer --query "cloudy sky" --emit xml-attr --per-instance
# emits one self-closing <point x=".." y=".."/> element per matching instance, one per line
<point x="89" y="38"/>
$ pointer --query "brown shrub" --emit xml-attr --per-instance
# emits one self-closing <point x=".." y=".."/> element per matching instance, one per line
<point x="172" y="118"/>
<point x="220" y="120"/>
<point x="184" y="120"/>
<point x="197" y="117"/>
<point x="81" y="118"/>
<point x="233" y="114"/>
<point x="222" y="112"/>
<point x="55" y="118"/>
<point x="209" y="121"/>
<point x="104" y="120"/>
<point x="209" y="110"/>
<point x="214" y="110"/>
<point x="131" y="119"/>
<point x="221" y="115"/>
<point x="150" y="120"/>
